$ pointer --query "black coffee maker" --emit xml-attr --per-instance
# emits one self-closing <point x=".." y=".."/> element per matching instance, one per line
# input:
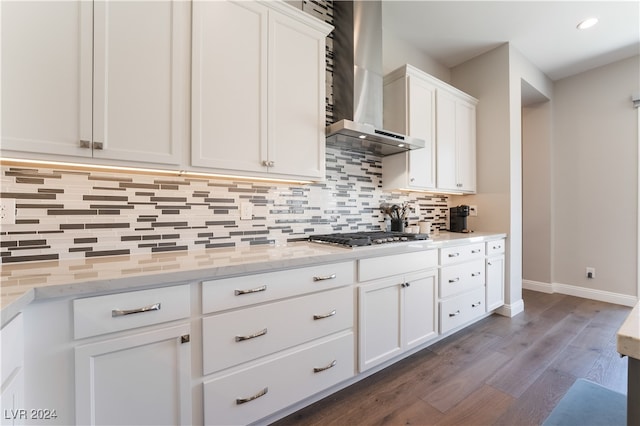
<point x="458" y="218"/>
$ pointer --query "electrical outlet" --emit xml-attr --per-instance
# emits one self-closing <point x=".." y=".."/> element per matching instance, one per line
<point x="591" y="272"/>
<point x="473" y="210"/>
<point x="246" y="211"/>
<point x="7" y="211"/>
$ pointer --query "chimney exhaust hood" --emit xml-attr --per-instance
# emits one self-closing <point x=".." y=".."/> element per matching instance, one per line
<point x="358" y="82"/>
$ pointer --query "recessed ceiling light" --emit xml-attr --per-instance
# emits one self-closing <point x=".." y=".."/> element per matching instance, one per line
<point x="587" y="23"/>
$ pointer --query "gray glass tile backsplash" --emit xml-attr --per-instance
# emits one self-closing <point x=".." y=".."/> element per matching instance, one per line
<point x="65" y="214"/>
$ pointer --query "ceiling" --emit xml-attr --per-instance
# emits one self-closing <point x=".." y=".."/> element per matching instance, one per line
<point x="452" y="32"/>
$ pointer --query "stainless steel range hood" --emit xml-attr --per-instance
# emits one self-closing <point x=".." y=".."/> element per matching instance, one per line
<point x="357" y="83"/>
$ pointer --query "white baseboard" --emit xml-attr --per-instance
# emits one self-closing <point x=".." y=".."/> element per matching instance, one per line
<point x="511" y="310"/>
<point x="537" y="286"/>
<point x="586" y="293"/>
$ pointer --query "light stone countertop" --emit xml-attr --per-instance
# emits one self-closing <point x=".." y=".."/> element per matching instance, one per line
<point x="24" y="283"/>
<point x="628" y="337"/>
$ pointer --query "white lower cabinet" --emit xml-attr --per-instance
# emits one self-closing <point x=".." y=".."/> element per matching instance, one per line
<point x="138" y="379"/>
<point x="461" y="309"/>
<point x="396" y="314"/>
<point x="12" y="373"/>
<point x="495" y="274"/>
<point x="259" y="389"/>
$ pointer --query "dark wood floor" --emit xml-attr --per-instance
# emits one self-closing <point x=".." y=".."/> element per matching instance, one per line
<point x="499" y="371"/>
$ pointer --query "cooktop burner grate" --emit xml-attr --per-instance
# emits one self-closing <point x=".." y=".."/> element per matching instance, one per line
<point x="359" y="239"/>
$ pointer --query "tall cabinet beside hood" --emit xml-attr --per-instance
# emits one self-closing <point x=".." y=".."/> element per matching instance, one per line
<point x="422" y="106"/>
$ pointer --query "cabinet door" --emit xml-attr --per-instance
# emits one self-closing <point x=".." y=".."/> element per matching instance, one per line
<point x="446" y="137"/>
<point x="422" y="124"/>
<point x="137" y="379"/>
<point x="229" y="85"/>
<point x="296" y="98"/>
<point x="420" y="313"/>
<point x="466" y="145"/>
<point x="141" y="65"/>
<point x="380" y="322"/>
<point x="495" y="282"/>
<point x="46" y="77"/>
<point x="12" y="400"/>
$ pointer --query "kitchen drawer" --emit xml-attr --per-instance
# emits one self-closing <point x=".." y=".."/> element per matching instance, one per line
<point x="461" y="309"/>
<point x="12" y="347"/>
<point x="495" y="247"/>
<point x="123" y="311"/>
<point x="229" y="293"/>
<point x="396" y="264"/>
<point x="235" y="337"/>
<point x="459" y="254"/>
<point x="461" y="278"/>
<point x="282" y="381"/>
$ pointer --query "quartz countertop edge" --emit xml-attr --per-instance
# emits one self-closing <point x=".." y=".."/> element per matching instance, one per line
<point x="25" y="283"/>
<point x="628" y="336"/>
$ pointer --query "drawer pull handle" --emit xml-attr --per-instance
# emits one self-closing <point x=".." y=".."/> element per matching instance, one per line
<point x="476" y="274"/>
<point x="251" y="336"/>
<point x="319" y="317"/>
<point x="475" y="305"/>
<point x="476" y="251"/>
<point x="123" y="312"/>
<point x="252" y="290"/>
<point x="324" y="278"/>
<point x="320" y="369"/>
<point x="456" y="313"/>
<point x="497" y="247"/>
<point x="454" y="254"/>
<point x="454" y="280"/>
<point x="85" y="144"/>
<point x="263" y="392"/>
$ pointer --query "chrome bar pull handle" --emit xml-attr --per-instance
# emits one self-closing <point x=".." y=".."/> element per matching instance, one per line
<point x="320" y="369"/>
<point x="251" y="336"/>
<point x="324" y="278"/>
<point x="123" y="312"/>
<point x="476" y="274"/>
<point x="263" y="392"/>
<point x="475" y="305"/>
<point x="330" y="314"/>
<point x="454" y="280"/>
<point x="251" y="290"/>
<point x="476" y="251"/>
<point x="456" y="313"/>
<point x="454" y="254"/>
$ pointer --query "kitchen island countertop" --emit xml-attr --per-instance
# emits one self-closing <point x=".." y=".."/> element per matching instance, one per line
<point x="628" y="337"/>
<point x="26" y="282"/>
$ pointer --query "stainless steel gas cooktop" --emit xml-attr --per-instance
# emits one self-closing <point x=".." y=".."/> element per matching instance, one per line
<point x="358" y="239"/>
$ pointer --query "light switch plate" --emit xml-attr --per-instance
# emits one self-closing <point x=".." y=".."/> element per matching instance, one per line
<point x="473" y="210"/>
<point x="7" y="211"/>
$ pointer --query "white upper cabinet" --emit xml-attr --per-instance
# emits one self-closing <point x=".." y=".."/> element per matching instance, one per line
<point x="410" y="108"/>
<point x="422" y="106"/>
<point x="46" y="77"/>
<point x="102" y="80"/>
<point x="456" y="146"/>
<point x="141" y="72"/>
<point x="258" y="90"/>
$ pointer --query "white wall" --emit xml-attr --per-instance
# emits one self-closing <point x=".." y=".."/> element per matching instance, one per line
<point x="595" y="184"/>
<point x="397" y="52"/>
<point x="536" y="193"/>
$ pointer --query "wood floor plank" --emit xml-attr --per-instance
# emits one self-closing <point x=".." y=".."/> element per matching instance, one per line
<point x="482" y="407"/>
<point x="535" y="404"/>
<point x="527" y="366"/>
<point x="464" y="381"/>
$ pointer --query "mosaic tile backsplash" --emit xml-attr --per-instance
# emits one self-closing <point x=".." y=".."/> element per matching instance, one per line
<point x="65" y="214"/>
